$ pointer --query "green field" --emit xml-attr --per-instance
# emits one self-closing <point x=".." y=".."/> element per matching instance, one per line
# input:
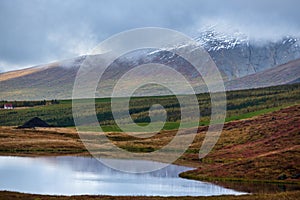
<point x="240" y="105"/>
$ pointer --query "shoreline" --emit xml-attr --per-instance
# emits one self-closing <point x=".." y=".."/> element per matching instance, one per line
<point x="181" y="175"/>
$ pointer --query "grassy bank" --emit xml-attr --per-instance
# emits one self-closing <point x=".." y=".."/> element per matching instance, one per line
<point x="262" y="149"/>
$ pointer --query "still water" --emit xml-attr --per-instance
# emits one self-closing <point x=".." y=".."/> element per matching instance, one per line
<point x="82" y="175"/>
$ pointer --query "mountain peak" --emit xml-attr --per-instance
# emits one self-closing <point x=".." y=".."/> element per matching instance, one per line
<point x="213" y="40"/>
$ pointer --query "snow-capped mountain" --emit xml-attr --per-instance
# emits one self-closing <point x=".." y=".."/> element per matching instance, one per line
<point x="235" y="54"/>
<point x="237" y="57"/>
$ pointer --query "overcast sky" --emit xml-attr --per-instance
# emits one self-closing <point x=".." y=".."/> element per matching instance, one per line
<point x="41" y="31"/>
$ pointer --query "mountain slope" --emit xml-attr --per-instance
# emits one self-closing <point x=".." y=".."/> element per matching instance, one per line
<point x="284" y="74"/>
<point x="53" y="81"/>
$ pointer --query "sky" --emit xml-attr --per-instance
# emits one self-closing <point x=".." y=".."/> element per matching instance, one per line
<point x="36" y="32"/>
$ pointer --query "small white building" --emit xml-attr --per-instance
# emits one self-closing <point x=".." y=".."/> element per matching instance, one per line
<point x="8" y="106"/>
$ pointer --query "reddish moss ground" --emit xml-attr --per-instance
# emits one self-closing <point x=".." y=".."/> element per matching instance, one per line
<point x="266" y="147"/>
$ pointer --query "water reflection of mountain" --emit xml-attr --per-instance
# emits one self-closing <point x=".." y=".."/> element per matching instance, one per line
<point x="92" y="165"/>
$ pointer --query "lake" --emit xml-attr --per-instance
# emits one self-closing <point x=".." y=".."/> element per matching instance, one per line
<point x="68" y="175"/>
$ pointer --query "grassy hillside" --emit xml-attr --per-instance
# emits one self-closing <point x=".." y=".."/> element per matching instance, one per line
<point x="240" y="104"/>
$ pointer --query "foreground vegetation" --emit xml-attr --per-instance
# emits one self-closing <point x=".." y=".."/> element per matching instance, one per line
<point x="278" y="196"/>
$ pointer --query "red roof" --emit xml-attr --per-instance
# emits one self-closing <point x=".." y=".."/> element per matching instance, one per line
<point x="8" y="105"/>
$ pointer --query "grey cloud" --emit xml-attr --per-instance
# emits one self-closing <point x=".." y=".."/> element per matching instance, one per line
<point x="39" y="31"/>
